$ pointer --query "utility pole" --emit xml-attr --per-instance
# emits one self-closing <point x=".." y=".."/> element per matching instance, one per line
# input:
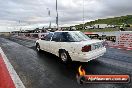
<point x="57" y="14"/>
<point x="83" y="16"/>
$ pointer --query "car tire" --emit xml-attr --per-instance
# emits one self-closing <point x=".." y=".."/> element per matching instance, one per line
<point x="65" y="57"/>
<point x="38" y="47"/>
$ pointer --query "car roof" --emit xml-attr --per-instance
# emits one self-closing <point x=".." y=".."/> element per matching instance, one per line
<point x="62" y="31"/>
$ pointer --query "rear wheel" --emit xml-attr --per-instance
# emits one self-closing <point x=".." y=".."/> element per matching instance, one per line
<point x="38" y="48"/>
<point x="65" y="56"/>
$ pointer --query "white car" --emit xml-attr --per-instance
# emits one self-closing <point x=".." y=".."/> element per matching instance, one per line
<point x="71" y="46"/>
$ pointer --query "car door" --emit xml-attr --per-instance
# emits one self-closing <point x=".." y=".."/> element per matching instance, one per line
<point x="45" y="44"/>
<point x="55" y="43"/>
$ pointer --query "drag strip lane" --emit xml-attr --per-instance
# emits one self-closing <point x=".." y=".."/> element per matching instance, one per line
<point x="124" y="56"/>
<point x="44" y="70"/>
<point x="27" y="43"/>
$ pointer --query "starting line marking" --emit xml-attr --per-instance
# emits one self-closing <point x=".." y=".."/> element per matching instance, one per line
<point x="17" y="81"/>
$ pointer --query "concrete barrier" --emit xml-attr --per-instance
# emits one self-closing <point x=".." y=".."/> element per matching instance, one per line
<point x="120" y="40"/>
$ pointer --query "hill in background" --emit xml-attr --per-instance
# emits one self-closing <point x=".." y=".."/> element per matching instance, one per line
<point x="111" y="21"/>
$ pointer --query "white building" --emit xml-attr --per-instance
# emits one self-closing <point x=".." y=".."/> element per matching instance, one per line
<point x="100" y="26"/>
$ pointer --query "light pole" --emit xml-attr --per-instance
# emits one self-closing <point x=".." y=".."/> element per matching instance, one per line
<point x="83" y="16"/>
<point x="57" y="14"/>
<point x="49" y="16"/>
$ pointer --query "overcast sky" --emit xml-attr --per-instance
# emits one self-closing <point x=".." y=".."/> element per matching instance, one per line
<point x="34" y="13"/>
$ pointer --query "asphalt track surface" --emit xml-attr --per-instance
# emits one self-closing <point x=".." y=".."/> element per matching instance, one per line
<point x="44" y="70"/>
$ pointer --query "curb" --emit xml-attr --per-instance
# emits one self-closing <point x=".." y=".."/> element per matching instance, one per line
<point x="12" y="73"/>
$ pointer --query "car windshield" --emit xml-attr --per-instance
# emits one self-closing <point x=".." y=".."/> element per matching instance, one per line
<point x="79" y="36"/>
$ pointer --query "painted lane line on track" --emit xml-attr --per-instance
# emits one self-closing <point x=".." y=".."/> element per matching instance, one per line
<point x="5" y="78"/>
<point x="18" y="83"/>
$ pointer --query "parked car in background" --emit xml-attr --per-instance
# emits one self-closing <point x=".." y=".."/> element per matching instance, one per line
<point x="71" y="46"/>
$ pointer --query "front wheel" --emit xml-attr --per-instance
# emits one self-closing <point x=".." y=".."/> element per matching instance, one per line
<point x="38" y="48"/>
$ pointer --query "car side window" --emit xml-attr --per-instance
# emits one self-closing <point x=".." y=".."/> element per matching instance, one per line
<point x="66" y="37"/>
<point x="62" y="37"/>
<point x="48" y="37"/>
<point x="56" y="37"/>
